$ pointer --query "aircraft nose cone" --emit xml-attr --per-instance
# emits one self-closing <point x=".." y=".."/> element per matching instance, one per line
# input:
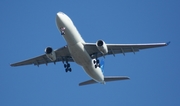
<point x="59" y="19"/>
<point x="60" y="14"/>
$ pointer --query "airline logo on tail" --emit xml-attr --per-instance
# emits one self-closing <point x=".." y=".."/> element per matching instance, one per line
<point x="102" y="65"/>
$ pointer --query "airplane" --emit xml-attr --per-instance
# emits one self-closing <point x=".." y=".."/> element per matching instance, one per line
<point x="84" y="54"/>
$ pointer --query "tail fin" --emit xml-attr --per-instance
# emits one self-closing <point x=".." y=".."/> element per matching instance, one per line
<point x="106" y="79"/>
<point x="102" y="65"/>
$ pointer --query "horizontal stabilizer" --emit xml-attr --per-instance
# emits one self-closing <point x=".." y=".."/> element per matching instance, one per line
<point x="106" y="79"/>
<point x="115" y="78"/>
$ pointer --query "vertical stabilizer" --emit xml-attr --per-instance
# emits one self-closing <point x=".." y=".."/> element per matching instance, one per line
<point x="102" y="65"/>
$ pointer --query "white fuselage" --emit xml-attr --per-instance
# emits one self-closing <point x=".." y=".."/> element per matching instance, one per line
<point x="76" y="47"/>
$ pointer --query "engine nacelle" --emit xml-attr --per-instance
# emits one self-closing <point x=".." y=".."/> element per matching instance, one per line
<point x="50" y="53"/>
<point x="102" y="47"/>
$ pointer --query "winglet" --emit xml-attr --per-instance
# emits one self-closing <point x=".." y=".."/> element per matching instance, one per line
<point x="168" y="43"/>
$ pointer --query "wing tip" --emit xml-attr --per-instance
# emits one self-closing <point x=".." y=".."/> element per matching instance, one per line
<point x="126" y="77"/>
<point x="168" y="43"/>
<point x="12" y="65"/>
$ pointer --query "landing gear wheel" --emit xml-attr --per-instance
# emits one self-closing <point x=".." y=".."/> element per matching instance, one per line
<point x="65" y="65"/>
<point x="70" y="69"/>
<point x="95" y="66"/>
<point x="94" y="61"/>
<point x="97" y="61"/>
<point x="66" y="70"/>
<point x="68" y="65"/>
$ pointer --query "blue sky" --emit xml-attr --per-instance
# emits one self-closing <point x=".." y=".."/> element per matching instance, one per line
<point x="28" y="27"/>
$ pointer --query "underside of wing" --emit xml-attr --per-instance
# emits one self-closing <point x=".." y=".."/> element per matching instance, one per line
<point x="36" y="61"/>
<point x="120" y="48"/>
<point x="106" y="79"/>
<point x="62" y="54"/>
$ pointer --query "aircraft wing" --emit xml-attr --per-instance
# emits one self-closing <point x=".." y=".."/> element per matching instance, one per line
<point x="61" y="53"/>
<point x="120" y="48"/>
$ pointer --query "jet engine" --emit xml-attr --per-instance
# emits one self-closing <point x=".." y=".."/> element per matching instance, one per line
<point x="50" y="53"/>
<point x="102" y="47"/>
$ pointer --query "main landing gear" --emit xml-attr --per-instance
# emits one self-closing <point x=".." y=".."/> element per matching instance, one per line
<point x="96" y="63"/>
<point x="67" y="67"/>
<point x="95" y="60"/>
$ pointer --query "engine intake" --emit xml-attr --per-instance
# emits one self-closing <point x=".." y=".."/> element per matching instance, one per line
<point x="100" y="43"/>
<point x="102" y="47"/>
<point x="50" y="53"/>
<point x="48" y="50"/>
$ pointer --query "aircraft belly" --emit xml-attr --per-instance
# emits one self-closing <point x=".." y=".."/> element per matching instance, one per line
<point x="79" y="54"/>
<point x="82" y="58"/>
<point x="95" y="73"/>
